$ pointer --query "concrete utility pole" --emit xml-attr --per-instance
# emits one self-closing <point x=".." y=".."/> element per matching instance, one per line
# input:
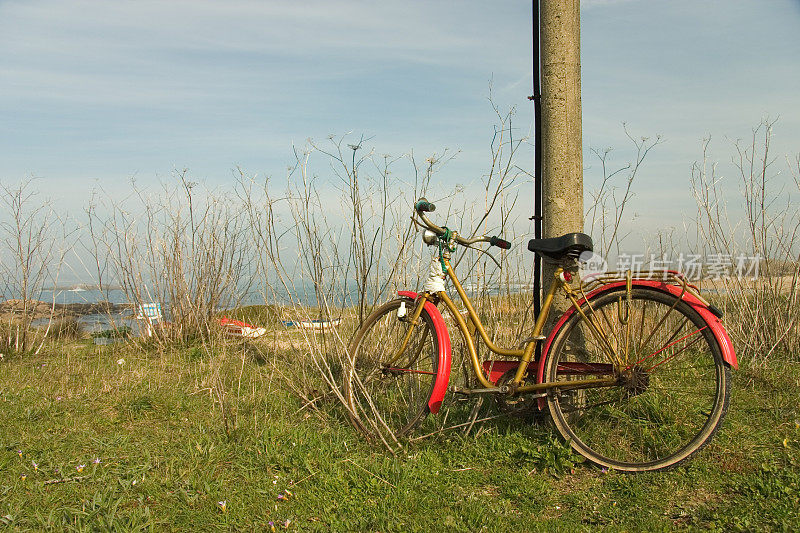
<point x="562" y="155"/>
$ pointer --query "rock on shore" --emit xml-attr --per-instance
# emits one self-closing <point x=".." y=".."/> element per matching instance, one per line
<point x="38" y="309"/>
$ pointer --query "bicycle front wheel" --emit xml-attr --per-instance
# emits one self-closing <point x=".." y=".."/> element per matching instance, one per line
<point x="666" y="384"/>
<point x="392" y="372"/>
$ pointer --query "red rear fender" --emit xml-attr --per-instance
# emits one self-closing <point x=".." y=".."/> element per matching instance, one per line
<point x="714" y="323"/>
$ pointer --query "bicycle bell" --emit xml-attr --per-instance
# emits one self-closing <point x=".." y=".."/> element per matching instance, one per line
<point x="428" y="237"/>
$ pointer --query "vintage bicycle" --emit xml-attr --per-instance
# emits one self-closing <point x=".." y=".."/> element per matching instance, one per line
<point x="635" y="374"/>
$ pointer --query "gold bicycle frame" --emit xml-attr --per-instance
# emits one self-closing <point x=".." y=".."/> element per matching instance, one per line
<point x="525" y="355"/>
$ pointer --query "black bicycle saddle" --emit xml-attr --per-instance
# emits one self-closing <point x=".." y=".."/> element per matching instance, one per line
<point x="559" y="248"/>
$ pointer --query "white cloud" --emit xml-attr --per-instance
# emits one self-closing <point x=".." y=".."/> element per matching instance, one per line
<point x="168" y="53"/>
<point x="142" y="85"/>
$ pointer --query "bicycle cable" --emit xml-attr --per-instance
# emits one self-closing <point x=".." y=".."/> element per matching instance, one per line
<point x="496" y="262"/>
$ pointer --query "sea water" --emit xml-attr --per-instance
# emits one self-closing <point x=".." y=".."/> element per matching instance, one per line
<point x="91" y="323"/>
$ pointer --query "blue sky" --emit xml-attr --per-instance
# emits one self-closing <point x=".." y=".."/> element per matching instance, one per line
<point x="93" y="93"/>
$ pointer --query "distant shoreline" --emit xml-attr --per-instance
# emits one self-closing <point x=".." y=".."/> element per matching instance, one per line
<point x="38" y="309"/>
<point x="83" y="287"/>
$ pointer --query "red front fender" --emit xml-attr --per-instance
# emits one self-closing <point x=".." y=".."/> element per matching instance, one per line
<point x="714" y="323"/>
<point x="443" y="367"/>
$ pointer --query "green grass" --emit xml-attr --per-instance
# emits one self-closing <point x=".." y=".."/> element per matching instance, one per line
<point x="151" y="435"/>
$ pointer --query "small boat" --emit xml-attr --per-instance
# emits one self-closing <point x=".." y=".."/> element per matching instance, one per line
<point x="319" y="325"/>
<point x="237" y="328"/>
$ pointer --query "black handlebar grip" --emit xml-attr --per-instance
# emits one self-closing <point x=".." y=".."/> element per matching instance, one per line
<point x="500" y="243"/>
<point x="424" y="205"/>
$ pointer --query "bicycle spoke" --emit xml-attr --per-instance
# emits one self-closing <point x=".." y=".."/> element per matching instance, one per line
<point x="393" y="396"/>
<point x="409" y="370"/>
<point x="682" y="350"/>
<point x="661" y="408"/>
<point x="666" y="346"/>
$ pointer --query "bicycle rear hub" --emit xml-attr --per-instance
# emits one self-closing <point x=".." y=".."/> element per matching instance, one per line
<point x="634" y="380"/>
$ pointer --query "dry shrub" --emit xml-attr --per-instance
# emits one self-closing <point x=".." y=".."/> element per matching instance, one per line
<point x="753" y="225"/>
<point x="34" y="239"/>
<point x="65" y="328"/>
<point x="351" y="245"/>
<point x="185" y="247"/>
<point x="761" y="222"/>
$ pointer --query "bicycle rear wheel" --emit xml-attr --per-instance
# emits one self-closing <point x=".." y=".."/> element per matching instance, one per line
<point x="386" y="388"/>
<point x="669" y="383"/>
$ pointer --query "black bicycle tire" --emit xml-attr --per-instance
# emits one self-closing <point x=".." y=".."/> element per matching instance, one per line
<point x="715" y="416"/>
<point x="351" y="389"/>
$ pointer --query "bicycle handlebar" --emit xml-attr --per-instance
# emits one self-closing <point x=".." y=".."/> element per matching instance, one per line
<point x="500" y="243"/>
<point x="423" y="206"/>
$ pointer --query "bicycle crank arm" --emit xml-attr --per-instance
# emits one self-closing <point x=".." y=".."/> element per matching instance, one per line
<point x="505" y="389"/>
